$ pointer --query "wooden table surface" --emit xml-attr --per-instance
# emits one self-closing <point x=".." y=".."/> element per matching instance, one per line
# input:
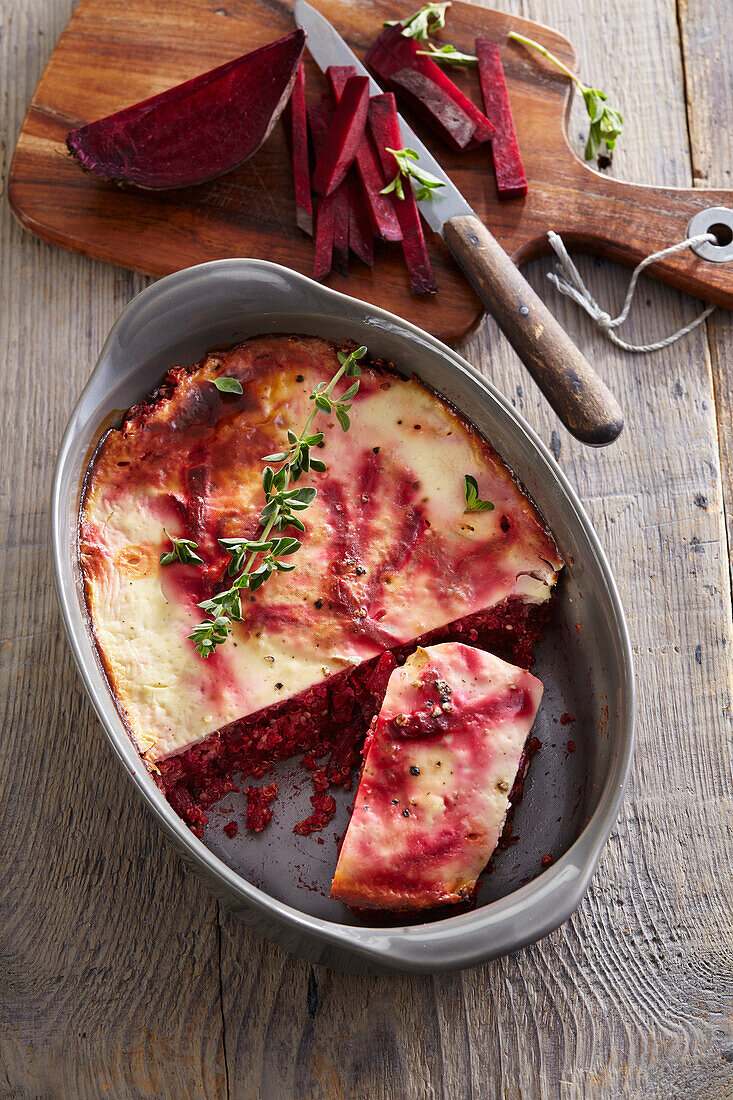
<point x="120" y="976"/>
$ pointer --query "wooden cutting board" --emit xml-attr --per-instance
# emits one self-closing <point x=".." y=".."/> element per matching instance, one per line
<point x="116" y="52"/>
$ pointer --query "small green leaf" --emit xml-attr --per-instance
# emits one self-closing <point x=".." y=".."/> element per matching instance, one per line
<point x="279" y="457"/>
<point x="473" y="501"/>
<point x="323" y="403"/>
<point x="407" y="167"/>
<point x="343" y="419"/>
<point x="593" y="144"/>
<point x="285" y="546"/>
<point x="350" y="393"/>
<point x="256" y="581"/>
<point x="318" y="466"/>
<point x="396" y="186"/>
<point x="228" y="385"/>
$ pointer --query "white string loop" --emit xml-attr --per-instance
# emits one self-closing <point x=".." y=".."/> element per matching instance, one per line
<point x="569" y="282"/>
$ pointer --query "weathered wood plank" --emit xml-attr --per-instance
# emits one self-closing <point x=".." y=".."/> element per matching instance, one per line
<point x="109" y="982"/>
<point x="706" y="27"/>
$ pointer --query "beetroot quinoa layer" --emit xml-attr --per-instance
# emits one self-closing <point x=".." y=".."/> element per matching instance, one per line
<point x="329" y="723"/>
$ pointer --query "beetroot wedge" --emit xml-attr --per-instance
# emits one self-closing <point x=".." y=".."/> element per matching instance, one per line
<point x="198" y="130"/>
<point x="392" y="52"/>
<point x="386" y="133"/>
<point x="378" y="206"/>
<point x="511" y="181"/>
<point x="344" y="135"/>
<point x="299" y="148"/>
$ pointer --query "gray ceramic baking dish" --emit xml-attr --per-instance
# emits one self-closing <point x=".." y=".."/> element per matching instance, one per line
<point x="278" y="882"/>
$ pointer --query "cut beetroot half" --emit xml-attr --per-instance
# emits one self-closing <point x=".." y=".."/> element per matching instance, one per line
<point x="392" y="52"/>
<point x="385" y="130"/>
<point x="379" y="207"/>
<point x="511" y="180"/>
<point x="299" y="147"/>
<point x="198" y="130"/>
<point x="344" y="135"/>
<point x="361" y="238"/>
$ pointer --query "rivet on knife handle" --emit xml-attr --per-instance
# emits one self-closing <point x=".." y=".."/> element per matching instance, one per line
<point x="583" y="402"/>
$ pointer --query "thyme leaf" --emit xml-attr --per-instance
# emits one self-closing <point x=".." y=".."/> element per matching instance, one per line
<point x="225" y="384"/>
<point x="473" y="500"/>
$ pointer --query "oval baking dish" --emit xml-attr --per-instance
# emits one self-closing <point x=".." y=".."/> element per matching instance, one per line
<point x="278" y="882"/>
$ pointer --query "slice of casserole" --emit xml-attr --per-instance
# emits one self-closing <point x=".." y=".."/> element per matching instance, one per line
<point x="390" y="557"/>
<point x="440" y="762"/>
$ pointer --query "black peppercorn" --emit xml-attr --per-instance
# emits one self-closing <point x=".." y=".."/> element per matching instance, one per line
<point x="414" y="770"/>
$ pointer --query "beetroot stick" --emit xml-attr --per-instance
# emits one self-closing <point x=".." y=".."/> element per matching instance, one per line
<point x="344" y="135"/>
<point x="386" y="133"/>
<point x="299" y="147"/>
<point x="393" y="52"/>
<point x="319" y="118"/>
<point x="361" y="239"/>
<point x="379" y="207"/>
<point x="511" y="180"/>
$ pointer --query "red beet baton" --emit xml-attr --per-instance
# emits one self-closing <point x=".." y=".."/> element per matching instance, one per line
<point x="386" y="133"/>
<point x="344" y="135"/>
<point x="511" y="180"/>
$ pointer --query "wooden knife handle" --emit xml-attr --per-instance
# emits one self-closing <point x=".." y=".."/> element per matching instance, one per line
<point x="585" y="405"/>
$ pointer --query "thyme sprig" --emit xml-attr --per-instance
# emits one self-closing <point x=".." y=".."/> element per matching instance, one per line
<point x="606" y="123"/>
<point x="423" y="22"/>
<point x="449" y="55"/>
<point x="254" y="561"/>
<point x="407" y="167"/>
<point x="184" y="551"/>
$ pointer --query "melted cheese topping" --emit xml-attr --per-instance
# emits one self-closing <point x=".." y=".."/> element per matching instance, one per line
<point x="388" y="553"/>
<point x="438" y="768"/>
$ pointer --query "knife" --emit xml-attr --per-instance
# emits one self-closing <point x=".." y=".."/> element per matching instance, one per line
<point x="583" y="402"/>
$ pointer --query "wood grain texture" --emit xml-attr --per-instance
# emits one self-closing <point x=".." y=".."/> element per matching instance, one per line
<point x="114" y="53"/>
<point x="118" y="979"/>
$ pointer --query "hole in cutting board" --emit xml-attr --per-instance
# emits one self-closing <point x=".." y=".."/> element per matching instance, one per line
<point x="723" y="234"/>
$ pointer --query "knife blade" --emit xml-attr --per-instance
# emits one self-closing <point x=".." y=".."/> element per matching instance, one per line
<point x="582" y="401"/>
